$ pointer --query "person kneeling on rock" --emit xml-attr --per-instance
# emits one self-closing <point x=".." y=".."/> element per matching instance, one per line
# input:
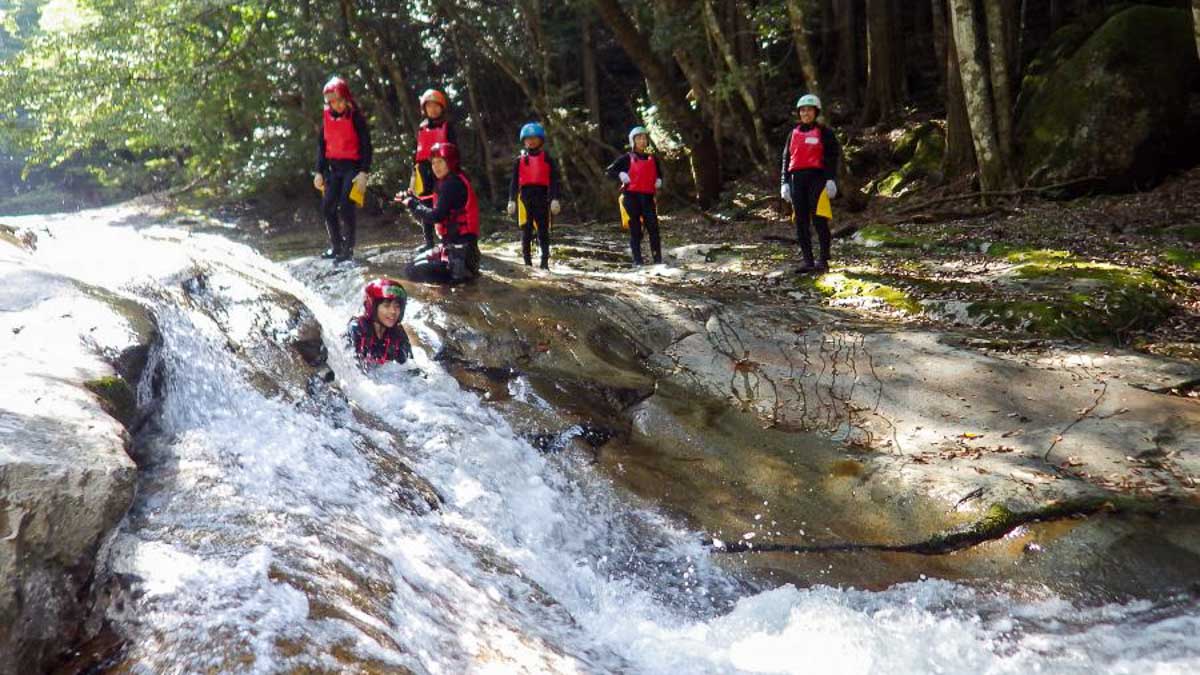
<point x="378" y="336"/>
<point x="455" y="218"/>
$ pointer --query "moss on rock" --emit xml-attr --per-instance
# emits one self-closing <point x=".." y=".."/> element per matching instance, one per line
<point x="1188" y="260"/>
<point x="874" y="236"/>
<point x="920" y="152"/>
<point x="116" y="397"/>
<point x="848" y="287"/>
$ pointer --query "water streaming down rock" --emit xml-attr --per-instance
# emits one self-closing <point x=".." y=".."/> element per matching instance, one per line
<point x="396" y="523"/>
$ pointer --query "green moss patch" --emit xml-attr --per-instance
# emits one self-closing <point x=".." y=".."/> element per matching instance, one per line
<point x="881" y="235"/>
<point x="849" y="287"/>
<point x="920" y="152"/>
<point x="116" y="397"/>
<point x="1188" y="260"/>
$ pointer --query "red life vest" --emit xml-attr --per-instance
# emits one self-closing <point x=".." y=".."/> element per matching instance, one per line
<point x="643" y="174"/>
<point x="427" y="136"/>
<point x="467" y="218"/>
<point x="805" y="149"/>
<point x="341" y="138"/>
<point x="534" y="170"/>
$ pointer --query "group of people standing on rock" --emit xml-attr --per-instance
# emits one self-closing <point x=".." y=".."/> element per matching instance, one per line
<point x="441" y="198"/>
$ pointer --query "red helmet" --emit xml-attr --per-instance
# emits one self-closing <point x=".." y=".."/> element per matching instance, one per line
<point x="448" y="152"/>
<point x="380" y="290"/>
<point x="337" y="85"/>
<point x="434" y="96"/>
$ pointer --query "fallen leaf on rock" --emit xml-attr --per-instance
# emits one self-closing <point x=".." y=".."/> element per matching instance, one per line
<point x="970" y="435"/>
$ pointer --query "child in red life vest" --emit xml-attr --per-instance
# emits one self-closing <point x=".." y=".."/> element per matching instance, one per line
<point x="810" y="159"/>
<point x="535" y="185"/>
<point x="640" y="178"/>
<point x="454" y="216"/>
<point x="378" y="336"/>
<point x="435" y="128"/>
<point x="343" y="160"/>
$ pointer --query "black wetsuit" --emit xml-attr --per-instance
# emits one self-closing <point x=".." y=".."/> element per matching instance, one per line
<point x="641" y="209"/>
<point x="536" y="199"/>
<point x="461" y="259"/>
<point x="339" y="178"/>
<point x="370" y="348"/>
<point x="806" y="186"/>
<point x="425" y="168"/>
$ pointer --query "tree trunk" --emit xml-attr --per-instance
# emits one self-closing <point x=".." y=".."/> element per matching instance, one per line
<point x="847" y="49"/>
<point x="591" y="84"/>
<point x="808" y="65"/>
<point x="671" y="100"/>
<point x="960" y="149"/>
<point x="476" y="114"/>
<point x="938" y="10"/>
<point x="993" y="172"/>
<point x="999" y="29"/>
<point x="1196" y="23"/>
<point x="1056" y="15"/>
<point x="884" y="64"/>
<point x="742" y="79"/>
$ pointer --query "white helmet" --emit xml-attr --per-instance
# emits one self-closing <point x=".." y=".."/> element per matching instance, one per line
<point x="809" y="100"/>
<point x="638" y="131"/>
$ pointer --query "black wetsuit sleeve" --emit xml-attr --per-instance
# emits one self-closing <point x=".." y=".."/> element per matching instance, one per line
<point x="553" y="177"/>
<point x="832" y="152"/>
<point x="620" y="164"/>
<point x="451" y="134"/>
<point x="404" y="351"/>
<point x="451" y="195"/>
<point x="515" y="183"/>
<point x="365" y="151"/>
<point x="354" y="335"/>
<point x="787" y="159"/>
<point x="322" y="163"/>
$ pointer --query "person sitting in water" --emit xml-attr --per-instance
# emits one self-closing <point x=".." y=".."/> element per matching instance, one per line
<point x="378" y="336"/>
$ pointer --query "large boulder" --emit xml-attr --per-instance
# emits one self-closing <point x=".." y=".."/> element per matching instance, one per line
<point x="72" y="359"/>
<point x="1111" y="106"/>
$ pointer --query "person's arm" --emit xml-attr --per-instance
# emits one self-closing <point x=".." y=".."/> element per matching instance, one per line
<point x="404" y="351"/>
<point x="365" y="151"/>
<point x="451" y="195"/>
<point x="451" y="134"/>
<point x="354" y="335"/>
<point x="619" y="166"/>
<point x="322" y="163"/>
<point x="832" y="152"/>
<point x="553" y="177"/>
<point x="514" y="184"/>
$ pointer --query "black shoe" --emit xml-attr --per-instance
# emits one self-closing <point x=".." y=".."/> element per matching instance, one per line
<point x="822" y="266"/>
<point x="806" y="268"/>
<point x="658" y="260"/>
<point x="330" y="253"/>
<point x="545" y="264"/>
<point x="529" y="262"/>
<point x="348" y="254"/>
<point x="637" y="264"/>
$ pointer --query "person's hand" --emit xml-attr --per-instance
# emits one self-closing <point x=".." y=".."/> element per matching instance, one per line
<point x="360" y="181"/>
<point x="555" y="207"/>
<point x="657" y="183"/>
<point x="624" y="178"/>
<point x="319" y="182"/>
<point x="511" y="208"/>
<point x="785" y="191"/>
<point x="831" y="188"/>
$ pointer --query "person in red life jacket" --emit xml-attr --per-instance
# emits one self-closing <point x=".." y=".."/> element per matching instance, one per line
<point x="435" y="128"/>
<point x="377" y="336"/>
<point x="640" y="178"/>
<point x="454" y="216"/>
<point x="343" y="159"/>
<point x="535" y="183"/>
<point x="810" y="159"/>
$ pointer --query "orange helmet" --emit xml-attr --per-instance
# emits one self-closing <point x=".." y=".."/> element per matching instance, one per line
<point x="434" y="96"/>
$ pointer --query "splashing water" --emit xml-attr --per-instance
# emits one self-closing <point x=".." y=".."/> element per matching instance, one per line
<point x="273" y="531"/>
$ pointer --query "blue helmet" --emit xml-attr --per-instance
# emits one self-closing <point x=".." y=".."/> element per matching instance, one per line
<point x="533" y="129"/>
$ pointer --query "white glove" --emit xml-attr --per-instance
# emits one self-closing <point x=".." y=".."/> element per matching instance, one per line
<point x="831" y="188"/>
<point x="511" y="208"/>
<point x="360" y="181"/>
<point x="657" y="183"/>
<point x="319" y="182"/>
<point x="785" y="191"/>
<point x="555" y="207"/>
<point x="624" y="178"/>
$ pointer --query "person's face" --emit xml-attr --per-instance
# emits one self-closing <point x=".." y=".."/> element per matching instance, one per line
<point x="640" y="142"/>
<point x="808" y="114"/>
<point x="440" y="168"/>
<point x="388" y="313"/>
<point x="533" y="143"/>
<point x="335" y="102"/>
<point x="433" y="110"/>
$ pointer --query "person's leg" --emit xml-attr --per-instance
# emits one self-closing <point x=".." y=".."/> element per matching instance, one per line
<point x="349" y="217"/>
<point x="821" y="224"/>
<point x="544" y="242"/>
<point x="526" y="239"/>
<point x="633" y="208"/>
<point x="329" y="208"/>
<point x="801" y="215"/>
<point x="539" y="215"/>
<point x="428" y="188"/>
<point x="814" y="183"/>
<point x="650" y="217"/>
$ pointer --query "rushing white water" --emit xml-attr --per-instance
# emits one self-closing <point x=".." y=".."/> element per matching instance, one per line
<point x="268" y="534"/>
